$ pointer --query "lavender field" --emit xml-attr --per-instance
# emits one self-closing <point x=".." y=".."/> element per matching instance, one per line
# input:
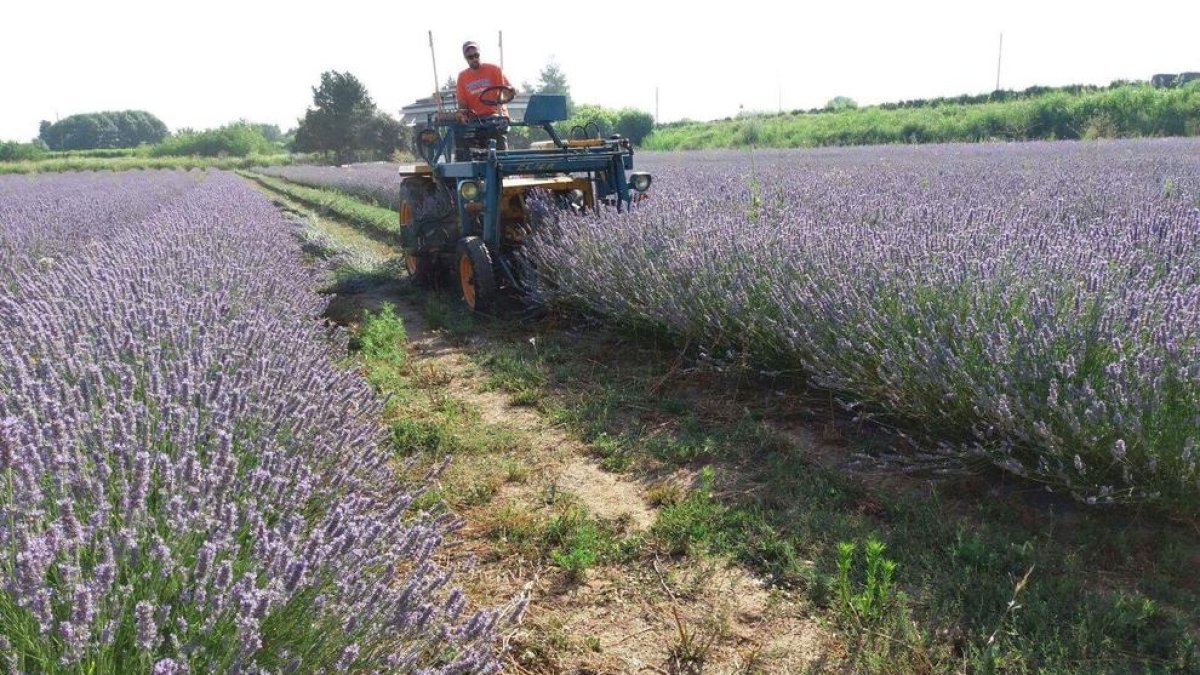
<point x="1034" y="305"/>
<point x="189" y="481"/>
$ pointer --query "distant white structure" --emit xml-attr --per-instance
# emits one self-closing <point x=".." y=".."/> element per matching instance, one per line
<point x="1173" y="80"/>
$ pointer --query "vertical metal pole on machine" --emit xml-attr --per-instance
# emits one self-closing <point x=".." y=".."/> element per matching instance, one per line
<point x="501" y="50"/>
<point x="437" y="86"/>
<point x="999" y="55"/>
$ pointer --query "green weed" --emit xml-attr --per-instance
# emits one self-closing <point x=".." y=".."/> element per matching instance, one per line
<point x="693" y="524"/>
<point x="382" y="336"/>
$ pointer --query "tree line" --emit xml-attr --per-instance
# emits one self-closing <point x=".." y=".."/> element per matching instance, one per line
<point x="109" y="129"/>
<point x="343" y="124"/>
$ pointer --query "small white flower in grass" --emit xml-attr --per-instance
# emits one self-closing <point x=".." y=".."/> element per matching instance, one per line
<point x="1118" y="450"/>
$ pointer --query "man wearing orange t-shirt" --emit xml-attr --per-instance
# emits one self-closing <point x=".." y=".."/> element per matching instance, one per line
<point x="474" y="81"/>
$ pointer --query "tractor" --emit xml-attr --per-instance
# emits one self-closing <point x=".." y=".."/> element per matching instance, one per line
<point x="463" y="207"/>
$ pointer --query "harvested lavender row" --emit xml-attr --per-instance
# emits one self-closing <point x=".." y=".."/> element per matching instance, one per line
<point x="1038" y="305"/>
<point x="190" y="482"/>
<point x="377" y="182"/>
<point x="47" y="217"/>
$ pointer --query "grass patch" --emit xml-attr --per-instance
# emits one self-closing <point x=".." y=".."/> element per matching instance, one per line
<point x="576" y="542"/>
<point x="377" y="222"/>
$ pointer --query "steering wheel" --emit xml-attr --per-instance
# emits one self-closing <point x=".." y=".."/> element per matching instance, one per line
<point x="497" y="95"/>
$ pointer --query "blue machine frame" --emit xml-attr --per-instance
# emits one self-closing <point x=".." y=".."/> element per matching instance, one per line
<point x="605" y="162"/>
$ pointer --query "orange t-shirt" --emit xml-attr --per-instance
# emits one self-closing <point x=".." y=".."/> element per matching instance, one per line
<point x="472" y="82"/>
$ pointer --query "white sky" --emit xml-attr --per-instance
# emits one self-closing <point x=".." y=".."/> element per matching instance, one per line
<point x="204" y="64"/>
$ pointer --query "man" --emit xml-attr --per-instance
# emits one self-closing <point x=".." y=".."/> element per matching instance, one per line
<point x="474" y="81"/>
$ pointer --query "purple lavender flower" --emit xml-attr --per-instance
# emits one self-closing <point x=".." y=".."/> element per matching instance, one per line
<point x="147" y="631"/>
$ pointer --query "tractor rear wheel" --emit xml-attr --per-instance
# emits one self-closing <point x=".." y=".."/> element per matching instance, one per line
<point x="476" y="274"/>
<point x="422" y="266"/>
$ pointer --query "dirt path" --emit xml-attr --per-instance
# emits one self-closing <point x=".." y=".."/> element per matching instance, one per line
<point x="654" y="615"/>
<point x="604" y="494"/>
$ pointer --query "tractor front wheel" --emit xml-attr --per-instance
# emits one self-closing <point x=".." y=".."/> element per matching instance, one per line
<point x="476" y="274"/>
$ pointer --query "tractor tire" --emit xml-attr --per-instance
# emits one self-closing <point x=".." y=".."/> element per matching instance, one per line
<point x="412" y="189"/>
<point x="423" y="265"/>
<point x="476" y="274"/>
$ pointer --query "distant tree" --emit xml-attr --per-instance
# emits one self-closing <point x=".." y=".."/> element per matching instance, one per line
<point x="12" y="151"/>
<point x="838" y="103"/>
<point x="635" y="125"/>
<point x="590" y="119"/>
<point x="269" y="131"/>
<point x="114" y="129"/>
<point x="337" y="122"/>
<point x="384" y="135"/>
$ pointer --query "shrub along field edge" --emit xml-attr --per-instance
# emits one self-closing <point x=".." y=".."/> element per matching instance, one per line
<point x="1122" y="112"/>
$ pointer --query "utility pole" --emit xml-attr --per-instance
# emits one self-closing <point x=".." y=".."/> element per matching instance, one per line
<point x="999" y="56"/>
<point x="656" y="104"/>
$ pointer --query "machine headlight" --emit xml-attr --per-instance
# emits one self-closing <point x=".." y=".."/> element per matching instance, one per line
<point x="469" y="190"/>
<point x="640" y="181"/>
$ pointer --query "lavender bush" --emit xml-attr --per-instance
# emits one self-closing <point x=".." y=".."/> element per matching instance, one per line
<point x="188" y="482"/>
<point x="1037" y="305"/>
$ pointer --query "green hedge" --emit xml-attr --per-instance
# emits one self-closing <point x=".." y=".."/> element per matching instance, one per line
<point x="1132" y="111"/>
<point x="232" y="140"/>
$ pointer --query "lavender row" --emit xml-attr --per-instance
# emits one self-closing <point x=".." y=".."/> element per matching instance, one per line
<point x="48" y="217"/>
<point x="1037" y="305"/>
<point x="190" y="482"/>
<point x="376" y="182"/>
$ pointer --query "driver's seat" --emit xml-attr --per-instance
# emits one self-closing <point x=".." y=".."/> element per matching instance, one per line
<point x="471" y="140"/>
